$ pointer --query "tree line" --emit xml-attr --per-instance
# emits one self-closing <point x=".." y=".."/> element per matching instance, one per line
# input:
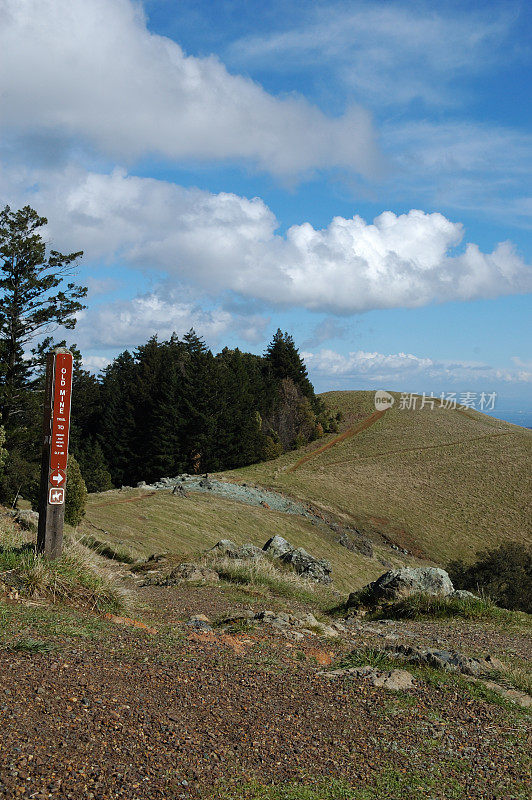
<point x="167" y="407"/>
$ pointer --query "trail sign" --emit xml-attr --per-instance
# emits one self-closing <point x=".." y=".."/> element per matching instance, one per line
<point x="56" y="428"/>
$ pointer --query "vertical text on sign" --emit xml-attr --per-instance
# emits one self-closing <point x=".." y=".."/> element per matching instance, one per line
<point x="61" y="411"/>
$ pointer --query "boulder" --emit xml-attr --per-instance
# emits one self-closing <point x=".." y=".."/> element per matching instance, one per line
<point x="400" y="583"/>
<point x="180" y="490"/>
<point x="277" y="547"/>
<point x="316" y="569"/>
<point x="249" y="551"/>
<point x="225" y="547"/>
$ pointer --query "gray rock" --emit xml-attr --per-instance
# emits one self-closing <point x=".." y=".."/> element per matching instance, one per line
<point x="249" y="551"/>
<point x="195" y="572"/>
<point x="463" y="594"/>
<point x="183" y="573"/>
<point x="395" y="679"/>
<point x="359" y="545"/>
<point x="444" y="659"/>
<point x="199" y="622"/>
<point x="316" y="569"/>
<point x="277" y="547"/>
<point x="180" y="490"/>
<point x="225" y="547"/>
<point x="400" y="583"/>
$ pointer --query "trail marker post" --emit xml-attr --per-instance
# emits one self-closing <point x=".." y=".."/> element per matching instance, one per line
<point x="56" y="429"/>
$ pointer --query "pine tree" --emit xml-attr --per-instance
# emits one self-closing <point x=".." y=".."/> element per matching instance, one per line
<point x="34" y="300"/>
<point x="94" y="467"/>
<point x="283" y="361"/>
<point x="119" y="435"/>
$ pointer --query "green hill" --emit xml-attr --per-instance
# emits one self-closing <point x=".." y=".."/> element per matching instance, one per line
<point x="441" y="483"/>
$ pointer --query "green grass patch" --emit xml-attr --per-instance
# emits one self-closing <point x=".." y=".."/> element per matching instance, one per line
<point x="40" y="628"/>
<point x="432" y="676"/>
<point x="390" y="784"/>
<point x="31" y="646"/>
<point x="419" y="606"/>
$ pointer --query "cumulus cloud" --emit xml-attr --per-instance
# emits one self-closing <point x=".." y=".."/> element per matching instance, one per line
<point x="390" y="367"/>
<point x="92" y="69"/>
<point x="220" y="242"/>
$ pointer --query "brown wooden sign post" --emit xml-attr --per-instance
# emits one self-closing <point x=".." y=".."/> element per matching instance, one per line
<point x="56" y="428"/>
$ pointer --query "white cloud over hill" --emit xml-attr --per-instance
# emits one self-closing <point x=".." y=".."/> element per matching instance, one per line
<point x="397" y="366"/>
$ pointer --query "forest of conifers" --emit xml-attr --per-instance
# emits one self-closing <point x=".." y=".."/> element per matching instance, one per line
<point x="173" y="406"/>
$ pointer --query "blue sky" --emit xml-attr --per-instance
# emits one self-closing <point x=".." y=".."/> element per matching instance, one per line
<point x="356" y="173"/>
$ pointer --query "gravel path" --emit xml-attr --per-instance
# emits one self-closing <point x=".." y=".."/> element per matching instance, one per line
<point x="167" y="716"/>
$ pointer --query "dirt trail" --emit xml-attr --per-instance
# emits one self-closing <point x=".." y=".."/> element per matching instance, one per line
<point x="361" y="426"/>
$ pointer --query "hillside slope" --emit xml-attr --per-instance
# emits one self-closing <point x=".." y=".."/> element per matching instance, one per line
<point x="443" y="483"/>
<point x="142" y="524"/>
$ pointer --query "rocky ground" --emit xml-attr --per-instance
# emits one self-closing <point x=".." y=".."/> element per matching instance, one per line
<point x="213" y="694"/>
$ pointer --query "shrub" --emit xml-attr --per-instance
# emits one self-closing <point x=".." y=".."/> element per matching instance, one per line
<point x="503" y="573"/>
<point x="76" y="494"/>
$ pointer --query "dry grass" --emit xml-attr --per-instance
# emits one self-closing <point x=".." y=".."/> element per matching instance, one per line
<point x="75" y="578"/>
<point x="166" y="523"/>
<point x="281" y="582"/>
<point x="443" y="483"/>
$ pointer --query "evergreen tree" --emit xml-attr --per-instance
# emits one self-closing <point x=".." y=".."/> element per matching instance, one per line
<point x="76" y="493"/>
<point x="118" y="420"/>
<point x="283" y="361"/>
<point x="34" y="300"/>
<point x="94" y="467"/>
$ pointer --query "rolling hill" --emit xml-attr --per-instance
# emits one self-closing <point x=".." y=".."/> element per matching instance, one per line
<point x="442" y="483"/>
<point x="438" y="483"/>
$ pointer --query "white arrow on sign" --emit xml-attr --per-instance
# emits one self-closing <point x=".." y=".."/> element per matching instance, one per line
<point x="58" y="478"/>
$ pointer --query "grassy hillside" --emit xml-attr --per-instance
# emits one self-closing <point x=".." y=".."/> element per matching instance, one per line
<point x="142" y="524"/>
<point x="442" y="483"/>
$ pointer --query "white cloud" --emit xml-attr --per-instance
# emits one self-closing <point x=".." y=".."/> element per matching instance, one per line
<point x="220" y="242"/>
<point x="464" y="165"/>
<point x="92" y="69"/>
<point x="95" y="363"/>
<point x="125" y="323"/>
<point x="396" y="366"/>
<point x="388" y="53"/>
